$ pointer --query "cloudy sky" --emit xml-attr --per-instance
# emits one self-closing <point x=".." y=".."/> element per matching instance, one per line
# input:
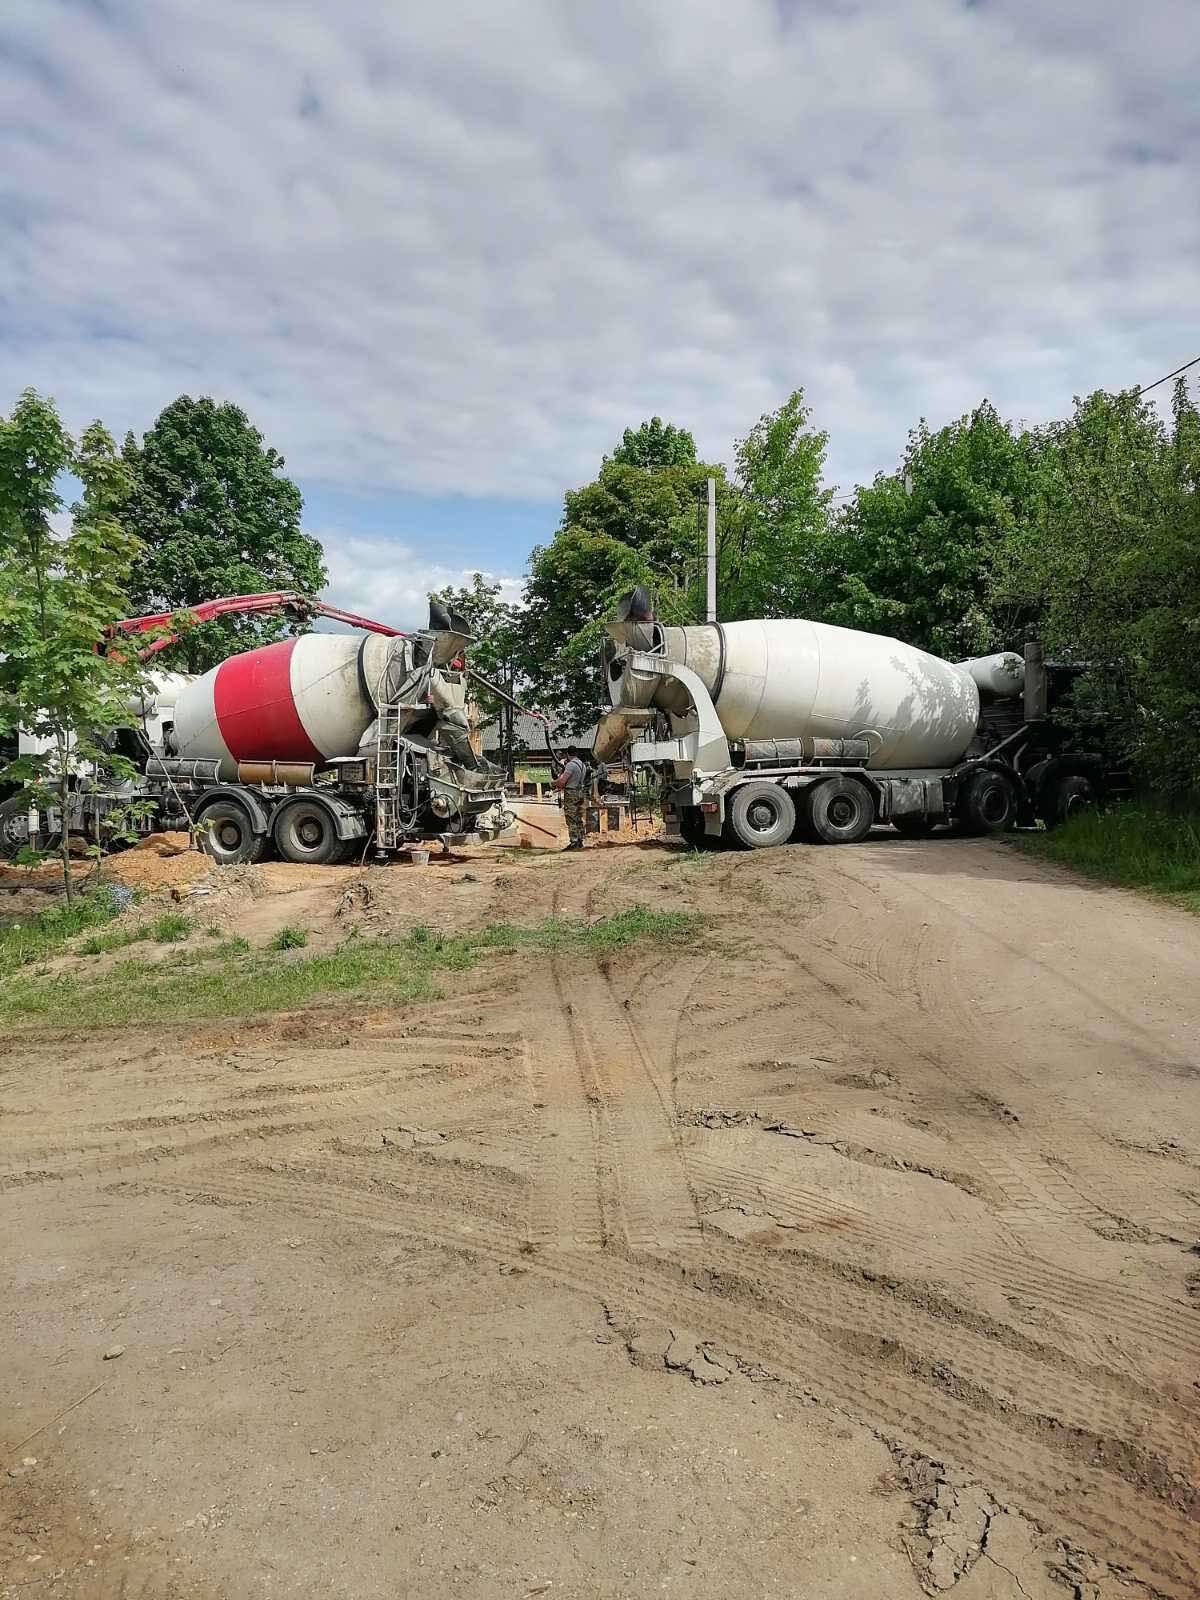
<point x="443" y="253"/>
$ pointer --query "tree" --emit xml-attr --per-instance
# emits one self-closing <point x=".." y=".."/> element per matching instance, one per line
<point x="574" y="584"/>
<point x="1108" y="564"/>
<point x="655" y="444"/>
<point x="638" y="522"/>
<point x="496" y="625"/>
<point x="912" y="553"/>
<point x="216" y="516"/>
<point x="58" y="594"/>
<point x="771" y="544"/>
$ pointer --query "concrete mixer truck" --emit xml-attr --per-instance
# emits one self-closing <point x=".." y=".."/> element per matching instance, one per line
<point x="316" y="747"/>
<point x="765" y="731"/>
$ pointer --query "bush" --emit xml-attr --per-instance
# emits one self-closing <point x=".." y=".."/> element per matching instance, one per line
<point x="290" y="938"/>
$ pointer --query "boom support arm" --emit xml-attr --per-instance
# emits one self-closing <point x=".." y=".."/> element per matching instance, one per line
<point x="297" y="607"/>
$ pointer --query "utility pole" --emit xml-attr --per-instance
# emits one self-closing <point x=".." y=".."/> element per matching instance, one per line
<point x="711" y="610"/>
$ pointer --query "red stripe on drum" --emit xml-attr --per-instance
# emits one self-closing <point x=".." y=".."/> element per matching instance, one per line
<point x="256" y="711"/>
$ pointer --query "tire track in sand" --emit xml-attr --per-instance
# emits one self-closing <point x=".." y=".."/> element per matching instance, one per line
<point x="606" y="1157"/>
<point x="1087" y="1473"/>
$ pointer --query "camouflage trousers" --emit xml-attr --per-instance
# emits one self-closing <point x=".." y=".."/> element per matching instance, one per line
<point x="573" y="801"/>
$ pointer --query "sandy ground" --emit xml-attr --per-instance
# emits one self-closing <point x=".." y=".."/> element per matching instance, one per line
<point x="850" y="1250"/>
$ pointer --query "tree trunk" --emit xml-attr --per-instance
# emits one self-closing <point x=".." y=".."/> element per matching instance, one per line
<point x="64" y="800"/>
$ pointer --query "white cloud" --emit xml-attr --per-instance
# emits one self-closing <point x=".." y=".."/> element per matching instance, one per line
<point x="456" y="248"/>
<point x="391" y="582"/>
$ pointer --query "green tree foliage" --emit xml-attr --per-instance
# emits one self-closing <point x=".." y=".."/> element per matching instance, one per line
<point x="217" y="516"/>
<point x="634" y="524"/>
<point x="1108" y="564"/>
<point x="655" y="444"/>
<point x="58" y="594"/>
<point x="912" y="554"/>
<point x="493" y="621"/>
<point x="774" y="534"/>
<point x="496" y="652"/>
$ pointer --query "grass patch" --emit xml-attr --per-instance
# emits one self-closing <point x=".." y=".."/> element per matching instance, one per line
<point x="99" y="944"/>
<point x="693" y="856"/>
<point x="45" y="935"/>
<point x="393" y="971"/>
<point x="1138" y="847"/>
<point x="290" y="938"/>
<point x="171" y="927"/>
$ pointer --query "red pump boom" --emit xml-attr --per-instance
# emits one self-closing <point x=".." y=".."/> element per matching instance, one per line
<point x="298" y="608"/>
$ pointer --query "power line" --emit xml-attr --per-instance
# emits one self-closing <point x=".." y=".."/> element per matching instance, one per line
<point x="1146" y="387"/>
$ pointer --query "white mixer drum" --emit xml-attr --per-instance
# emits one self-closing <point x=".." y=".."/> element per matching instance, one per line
<point x="784" y="679"/>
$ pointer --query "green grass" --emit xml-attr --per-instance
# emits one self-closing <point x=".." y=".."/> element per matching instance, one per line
<point x="1139" y="847"/>
<point x="99" y="944"/>
<point x="390" y="971"/>
<point x="171" y="927"/>
<point x="45" y="934"/>
<point x="692" y="857"/>
<point x="290" y="938"/>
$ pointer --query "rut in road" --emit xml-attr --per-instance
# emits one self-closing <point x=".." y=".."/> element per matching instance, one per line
<point x="1070" y="1444"/>
<point x="609" y="1164"/>
<point x="796" y="1146"/>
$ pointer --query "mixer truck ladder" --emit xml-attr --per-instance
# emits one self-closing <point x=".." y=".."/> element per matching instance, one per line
<point x="388" y="777"/>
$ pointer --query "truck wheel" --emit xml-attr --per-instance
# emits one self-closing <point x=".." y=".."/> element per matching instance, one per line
<point x="761" y="815"/>
<point x="305" y="831"/>
<point x="913" y="825"/>
<point x="14" y="825"/>
<point x="987" y="804"/>
<point x="1067" y="798"/>
<point x="229" y="836"/>
<point x="840" y="810"/>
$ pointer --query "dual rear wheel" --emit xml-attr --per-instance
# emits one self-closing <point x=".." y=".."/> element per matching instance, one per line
<point x="837" y="810"/>
<point x="303" y="830"/>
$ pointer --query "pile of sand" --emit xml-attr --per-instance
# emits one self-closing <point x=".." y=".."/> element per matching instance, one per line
<point x="162" y="861"/>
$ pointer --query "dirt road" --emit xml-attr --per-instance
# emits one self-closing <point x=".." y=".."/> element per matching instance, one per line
<point x="849" y="1250"/>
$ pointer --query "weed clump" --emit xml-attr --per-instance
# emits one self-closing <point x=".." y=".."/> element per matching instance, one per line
<point x="170" y="927"/>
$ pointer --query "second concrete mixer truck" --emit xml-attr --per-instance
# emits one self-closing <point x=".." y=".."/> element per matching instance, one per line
<point x="316" y="748"/>
<point x="765" y="731"/>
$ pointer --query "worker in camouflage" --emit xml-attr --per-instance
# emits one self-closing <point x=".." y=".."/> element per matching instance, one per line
<point x="570" y="782"/>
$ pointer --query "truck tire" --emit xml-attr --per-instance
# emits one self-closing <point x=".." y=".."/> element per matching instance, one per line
<point x="987" y="803"/>
<point x="761" y="815"/>
<point x="1066" y="797"/>
<point x="229" y="836"/>
<point x="305" y="830"/>
<point x="914" y="825"/>
<point x="14" y="828"/>
<point x="840" y="810"/>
